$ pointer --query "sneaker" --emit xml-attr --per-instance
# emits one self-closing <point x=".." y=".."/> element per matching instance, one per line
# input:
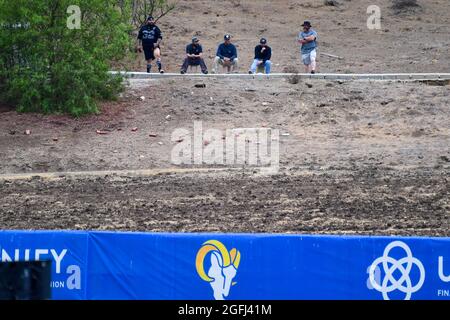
<point x="250" y="72"/>
<point x="182" y="72"/>
<point x="149" y="69"/>
<point x="206" y="72"/>
<point x="313" y="72"/>
<point x="161" y="71"/>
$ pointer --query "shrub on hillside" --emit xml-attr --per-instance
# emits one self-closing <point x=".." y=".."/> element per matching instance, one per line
<point x="404" y="4"/>
<point x="47" y="67"/>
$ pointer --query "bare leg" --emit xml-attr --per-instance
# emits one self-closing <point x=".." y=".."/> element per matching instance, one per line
<point x="313" y="61"/>
<point x="157" y="53"/>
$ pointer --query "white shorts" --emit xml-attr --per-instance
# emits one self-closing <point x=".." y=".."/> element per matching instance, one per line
<point x="309" y="57"/>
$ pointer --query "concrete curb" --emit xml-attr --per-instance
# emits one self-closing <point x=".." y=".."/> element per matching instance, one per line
<point x="320" y="76"/>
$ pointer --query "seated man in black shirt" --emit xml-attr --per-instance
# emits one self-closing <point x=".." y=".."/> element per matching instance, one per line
<point x="263" y="54"/>
<point x="194" y="53"/>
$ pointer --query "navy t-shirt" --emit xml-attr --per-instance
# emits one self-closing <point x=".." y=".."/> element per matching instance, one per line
<point x="149" y="35"/>
<point x="228" y="51"/>
<point x="194" y="49"/>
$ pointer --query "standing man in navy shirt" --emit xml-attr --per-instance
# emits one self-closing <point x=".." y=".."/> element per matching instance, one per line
<point x="150" y="38"/>
<point x="308" y="40"/>
<point x="226" y="55"/>
<point x="194" y="56"/>
<point x="263" y="54"/>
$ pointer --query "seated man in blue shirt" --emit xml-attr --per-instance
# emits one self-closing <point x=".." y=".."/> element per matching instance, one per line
<point x="308" y="40"/>
<point x="226" y="55"/>
<point x="194" y="56"/>
<point x="263" y="53"/>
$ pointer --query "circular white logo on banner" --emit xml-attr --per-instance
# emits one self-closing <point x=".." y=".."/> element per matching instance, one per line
<point x="402" y="267"/>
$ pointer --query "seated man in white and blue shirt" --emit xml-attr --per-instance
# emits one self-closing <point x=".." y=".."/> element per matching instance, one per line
<point x="263" y="54"/>
<point x="308" y="40"/>
<point x="226" y="55"/>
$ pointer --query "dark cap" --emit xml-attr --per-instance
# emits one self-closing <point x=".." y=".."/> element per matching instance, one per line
<point x="263" y="41"/>
<point x="195" y="39"/>
<point x="150" y="18"/>
<point x="227" y="37"/>
<point x="306" y="24"/>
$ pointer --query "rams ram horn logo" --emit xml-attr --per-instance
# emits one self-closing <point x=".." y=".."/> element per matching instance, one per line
<point x="223" y="267"/>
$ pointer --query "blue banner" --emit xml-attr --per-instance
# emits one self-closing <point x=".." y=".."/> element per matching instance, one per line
<point x="174" y="266"/>
<point x="67" y="250"/>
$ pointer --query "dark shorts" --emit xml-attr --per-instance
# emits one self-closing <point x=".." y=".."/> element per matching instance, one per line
<point x="149" y="52"/>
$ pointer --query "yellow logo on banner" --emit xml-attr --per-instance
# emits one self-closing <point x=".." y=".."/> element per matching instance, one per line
<point x="223" y="267"/>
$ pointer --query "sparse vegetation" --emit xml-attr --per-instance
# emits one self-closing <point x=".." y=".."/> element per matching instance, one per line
<point x="49" y="68"/>
<point x="404" y="6"/>
<point x="141" y="9"/>
<point x="295" y="77"/>
<point x="332" y="3"/>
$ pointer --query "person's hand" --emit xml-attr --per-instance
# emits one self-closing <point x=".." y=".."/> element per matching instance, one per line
<point x="260" y="62"/>
<point x="264" y="48"/>
<point x="226" y="59"/>
<point x="140" y="48"/>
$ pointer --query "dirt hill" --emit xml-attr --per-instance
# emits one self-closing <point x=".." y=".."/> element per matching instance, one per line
<point x="414" y="39"/>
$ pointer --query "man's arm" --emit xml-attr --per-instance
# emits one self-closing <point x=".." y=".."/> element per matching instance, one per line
<point x="268" y="54"/>
<point x="300" y="38"/>
<point x="219" y="52"/>
<point x="312" y="37"/>
<point x="200" y="52"/>
<point x="188" y="53"/>
<point x="140" y="39"/>
<point x="158" y="36"/>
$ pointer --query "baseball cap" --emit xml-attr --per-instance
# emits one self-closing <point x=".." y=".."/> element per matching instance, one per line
<point x="227" y="37"/>
<point x="195" y="39"/>
<point x="263" y="41"/>
<point x="306" y="24"/>
<point x="150" y="18"/>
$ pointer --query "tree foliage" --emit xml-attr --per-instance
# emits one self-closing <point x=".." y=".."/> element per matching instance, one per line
<point x="141" y="9"/>
<point x="47" y="67"/>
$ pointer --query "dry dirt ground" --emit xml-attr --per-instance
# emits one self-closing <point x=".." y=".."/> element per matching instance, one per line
<point x="355" y="157"/>
<point x="412" y="40"/>
<point x="360" y="157"/>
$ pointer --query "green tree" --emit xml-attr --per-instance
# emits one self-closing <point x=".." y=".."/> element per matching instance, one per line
<point x="47" y="66"/>
<point x="141" y="9"/>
